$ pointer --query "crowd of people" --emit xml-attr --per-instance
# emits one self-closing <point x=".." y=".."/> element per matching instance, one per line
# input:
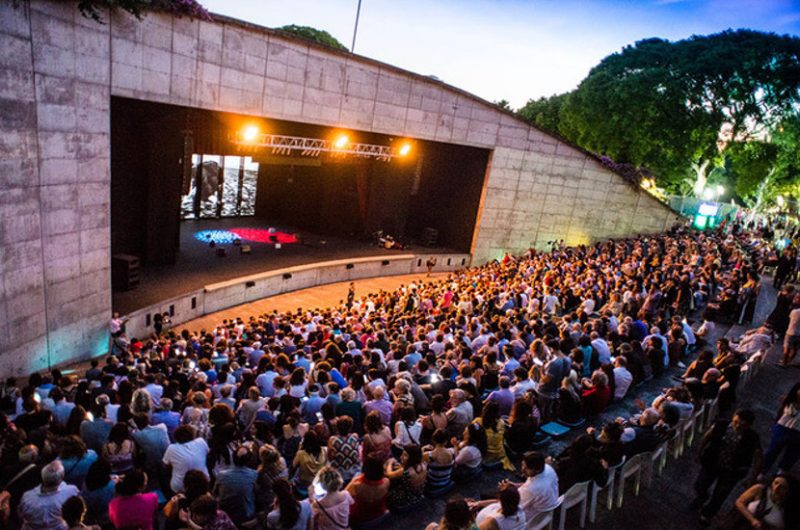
<point x="343" y="417"/>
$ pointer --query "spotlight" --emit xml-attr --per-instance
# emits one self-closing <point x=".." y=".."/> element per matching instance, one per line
<point x="405" y="149"/>
<point x="341" y="141"/>
<point x="250" y="133"/>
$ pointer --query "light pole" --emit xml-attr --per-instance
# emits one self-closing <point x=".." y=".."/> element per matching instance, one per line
<point x="355" y="29"/>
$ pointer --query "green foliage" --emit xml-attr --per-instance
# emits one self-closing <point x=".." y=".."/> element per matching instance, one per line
<point x="503" y="104"/>
<point x="677" y="107"/>
<point x="317" y="35"/>
<point x="190" y="8"/>
<point x="545" y="113"/>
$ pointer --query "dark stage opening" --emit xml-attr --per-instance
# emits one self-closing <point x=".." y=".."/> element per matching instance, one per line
<point x="179" y="181"/>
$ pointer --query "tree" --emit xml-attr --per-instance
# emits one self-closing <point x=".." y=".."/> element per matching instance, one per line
<point x="676" y="107"/>
<point x="504" y="104"/>
<point x="545" y="113"/>
<point x="317" y="35"/>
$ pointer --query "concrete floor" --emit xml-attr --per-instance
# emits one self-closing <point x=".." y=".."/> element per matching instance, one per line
<point x="315" y="297"/>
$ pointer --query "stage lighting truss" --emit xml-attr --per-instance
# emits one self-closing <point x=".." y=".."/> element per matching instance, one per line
<point x="287" y="145"/>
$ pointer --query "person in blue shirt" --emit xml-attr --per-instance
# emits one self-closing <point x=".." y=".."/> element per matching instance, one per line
<point x="166" y="416"/>
<point x="265" y="379"/>
<point x="236" y="487"/>
<point x="76" y="459"/>
<point x="311" y="405"/>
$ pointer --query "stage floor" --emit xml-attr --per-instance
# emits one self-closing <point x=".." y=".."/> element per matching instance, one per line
<point x="197" y="264"/>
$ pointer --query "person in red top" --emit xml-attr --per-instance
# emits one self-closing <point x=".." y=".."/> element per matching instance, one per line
<point x="131" y="508"/>
<point x="596" y="393"/>
<point x="369" y="490"/>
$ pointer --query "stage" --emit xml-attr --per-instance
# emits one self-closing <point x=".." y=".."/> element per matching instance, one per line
<point x="198" y="265"/>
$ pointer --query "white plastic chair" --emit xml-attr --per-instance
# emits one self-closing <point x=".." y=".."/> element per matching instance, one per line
<point x="660" y="458"/>
<point x="676" y="442"/>
<point x="577" y="494"/>
<point x="687" y="434"/>
<point x="631" y="468"/>
<point x="648" y="462"/>
<point x="699" y="419"/>
<point x="544" y="519"/>
<point x="608" y="487"/>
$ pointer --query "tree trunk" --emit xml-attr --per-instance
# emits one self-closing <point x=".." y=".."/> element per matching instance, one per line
<point x="701" y="176"/>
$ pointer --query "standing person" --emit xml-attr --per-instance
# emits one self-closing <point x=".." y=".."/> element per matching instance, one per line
<point x="429" y="265"/>
<point x="351" y="295"/>
<point x="728" y="450"/>
<point x="792" y="341"/>
<point x="785" y="433"/>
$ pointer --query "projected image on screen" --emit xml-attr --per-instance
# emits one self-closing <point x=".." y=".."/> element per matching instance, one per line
<point x="220" y="186"/>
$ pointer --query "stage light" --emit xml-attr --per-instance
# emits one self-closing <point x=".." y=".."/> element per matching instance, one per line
<point x="341" y="141"/>
<point x="780" y="200"/>
<point x="250" y="133"/>
<point x="405" y="149"/>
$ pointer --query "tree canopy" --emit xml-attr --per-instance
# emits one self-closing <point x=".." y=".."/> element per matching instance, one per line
<point x="317" y="35"/>
<point x="684" y="109"/>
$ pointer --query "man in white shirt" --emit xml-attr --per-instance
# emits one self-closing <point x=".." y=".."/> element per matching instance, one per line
<point x="550" y="304"/>
<point x="622" y="378"/>
<point x="186" y="453"/>
<point x="540" y="492"/>
<point x="603" y="351"/>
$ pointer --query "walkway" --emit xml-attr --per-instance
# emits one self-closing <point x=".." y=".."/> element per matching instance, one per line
<point x="322" y="296"/>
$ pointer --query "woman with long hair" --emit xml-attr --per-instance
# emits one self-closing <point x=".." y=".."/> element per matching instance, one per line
<point x="771" y="506"/>
<point x="98" y="491"/>
<point x="408" y="477"/>
<point x="289" y="513"/>
<point x="470" y="452"/>
<point x="311" y="457"/>
<point x="120" y="449"/>
<point x="377" y="438"/>
<point x="495" y="428"/>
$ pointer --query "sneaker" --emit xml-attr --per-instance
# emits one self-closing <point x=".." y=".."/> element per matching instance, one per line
<point x="681" y="365"/>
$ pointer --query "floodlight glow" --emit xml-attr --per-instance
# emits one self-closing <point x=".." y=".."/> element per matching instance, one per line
<point x="250" y="133"/>
<point x="707" y="209"/>
<point x="405" y="149"/>
<point x="708" y="194"/>
<point x="720" y="189"/>
<point x="780" y="200"/>
<point x="341" y="141"/>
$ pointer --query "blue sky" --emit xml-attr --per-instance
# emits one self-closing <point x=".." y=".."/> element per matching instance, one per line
<point x="511" y="49"/>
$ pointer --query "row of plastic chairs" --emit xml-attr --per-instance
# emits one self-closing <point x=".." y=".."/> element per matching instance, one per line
<point x="639" y="469"/>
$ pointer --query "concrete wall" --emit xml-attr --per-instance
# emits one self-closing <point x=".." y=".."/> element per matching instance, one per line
<point x="58" y="71"/>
